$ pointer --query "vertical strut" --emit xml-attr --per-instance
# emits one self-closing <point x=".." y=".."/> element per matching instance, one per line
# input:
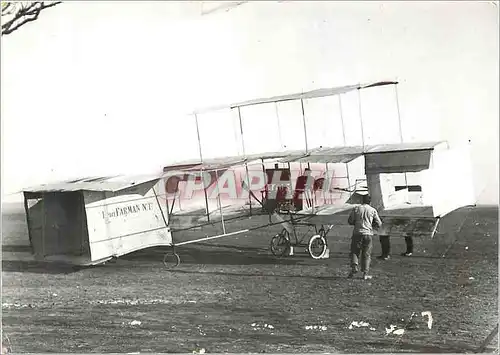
<point x="304" y="122"/>
<point x="220" y="202"/>
<point x="202" y="170"/>
<point x="400" y="124"/>
<point x="264" y="193"/>
<point x="198" y="136"/>
<point x="244" y="155"/>
<point x="342" y="119"/>
<point x="361" y="120"/>
<point x="44" y="211"/>
<point x="166" y="198"/>
<point x="235" y="131"/>
<point x="248" y="184"/>
<point x="241" y="132"/>
<point x="349" y="181"/>
<point x="279" y="126"/>
<point x="30" y="231"/>
<point x="327" y="180"/>
<point x="399" y="114"/>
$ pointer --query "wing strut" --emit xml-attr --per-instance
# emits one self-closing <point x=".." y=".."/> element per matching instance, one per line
<point x="342" y="119"/>
<point x="244" y="155"/>
<point x="349" y="181"/>
<point x="279" y="126"/>
<point x="400" y="125"/>
<point x="202" y="170"/>
<point x="361" y="120"/>
<point x="219" y="201"/>
<point x="304" y="122"/>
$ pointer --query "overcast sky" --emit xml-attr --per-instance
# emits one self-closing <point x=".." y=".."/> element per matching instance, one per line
<point x="95" y="88"/>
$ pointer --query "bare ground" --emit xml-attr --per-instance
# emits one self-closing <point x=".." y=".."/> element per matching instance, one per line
<point x="232" y="295"/>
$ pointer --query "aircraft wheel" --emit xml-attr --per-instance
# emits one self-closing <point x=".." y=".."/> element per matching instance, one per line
<point x="317" y="246"/>
<point x="171" y="260"/>
<point x="280" y="243"/>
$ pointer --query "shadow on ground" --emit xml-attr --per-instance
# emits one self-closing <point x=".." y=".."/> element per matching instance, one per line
<point x="217" y="256"/>
<point x="38" y="267"/>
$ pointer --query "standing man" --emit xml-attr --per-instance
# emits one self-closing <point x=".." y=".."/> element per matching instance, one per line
<point x="385" y="243"/>
<point x="364" y="218"/>
<point x="303" y="186"/>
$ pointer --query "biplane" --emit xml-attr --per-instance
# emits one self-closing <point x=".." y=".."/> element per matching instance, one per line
<point x="412" y="185"/>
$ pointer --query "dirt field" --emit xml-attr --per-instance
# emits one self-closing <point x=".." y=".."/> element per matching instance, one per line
<point x="232" y="295"/>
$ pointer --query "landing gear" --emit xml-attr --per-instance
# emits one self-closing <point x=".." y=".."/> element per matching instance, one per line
<point x="280" y="243"/>
<point x="317" y="246"/>
<point x="171" y="260"/>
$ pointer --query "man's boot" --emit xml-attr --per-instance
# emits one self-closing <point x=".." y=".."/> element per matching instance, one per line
<point x="409" y="246"/>
<point x="385" y="243"/>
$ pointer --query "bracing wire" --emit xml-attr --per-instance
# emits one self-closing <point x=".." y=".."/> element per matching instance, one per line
<point x="279" y="125"/>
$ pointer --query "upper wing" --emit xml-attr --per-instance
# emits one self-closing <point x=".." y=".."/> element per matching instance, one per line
<point x="298" y="96"/>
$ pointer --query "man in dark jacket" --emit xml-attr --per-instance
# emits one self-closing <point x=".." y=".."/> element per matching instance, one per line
<point x="303" y="187"/>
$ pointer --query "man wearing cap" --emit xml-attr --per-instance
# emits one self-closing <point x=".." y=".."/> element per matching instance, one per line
<point x="364" y="218"/>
